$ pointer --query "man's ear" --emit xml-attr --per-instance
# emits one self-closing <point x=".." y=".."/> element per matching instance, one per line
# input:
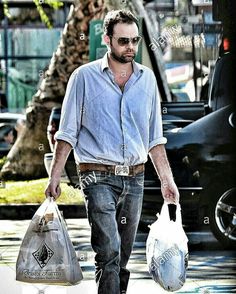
<point x="106" y="40"/>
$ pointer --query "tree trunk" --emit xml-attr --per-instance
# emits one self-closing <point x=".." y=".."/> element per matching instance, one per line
<point x="25" y="160"/>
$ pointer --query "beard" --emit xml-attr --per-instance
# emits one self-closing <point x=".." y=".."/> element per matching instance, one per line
<point x="122" y="58"/>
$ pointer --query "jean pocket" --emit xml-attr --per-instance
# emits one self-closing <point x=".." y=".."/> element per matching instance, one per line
<point x="139" y="179"/>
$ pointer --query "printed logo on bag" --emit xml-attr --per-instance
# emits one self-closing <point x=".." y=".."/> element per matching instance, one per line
<point x="164" y="257"/>
<point x="43" y="255"/>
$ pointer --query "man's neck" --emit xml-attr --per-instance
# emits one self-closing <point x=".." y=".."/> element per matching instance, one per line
<point x="118" y="67"/>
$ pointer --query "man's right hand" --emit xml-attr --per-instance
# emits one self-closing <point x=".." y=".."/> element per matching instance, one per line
<point x="61" y="152"/>
<point x="53" y="189"/>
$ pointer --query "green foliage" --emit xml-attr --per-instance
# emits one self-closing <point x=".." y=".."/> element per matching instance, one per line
<point x="2" y="161"/>
<point x="6" y="9"/>
<point x="52" y="3"/>
<point x="42" y="14"/>
<point x="33" y="192"/>
<point x="171" y="22"/>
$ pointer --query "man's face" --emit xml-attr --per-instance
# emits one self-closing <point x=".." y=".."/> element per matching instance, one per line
<point x="9" y="138"/>
<point x="123" y="53"/>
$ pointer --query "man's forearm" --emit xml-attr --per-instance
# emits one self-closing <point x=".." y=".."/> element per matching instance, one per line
<point x="161" y="163"/>
<point x="62" y="150"/>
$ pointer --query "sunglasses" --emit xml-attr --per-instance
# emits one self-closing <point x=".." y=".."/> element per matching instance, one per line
<point x="123" y="41"/>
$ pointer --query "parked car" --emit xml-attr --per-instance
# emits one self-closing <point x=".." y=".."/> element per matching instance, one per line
<point x="201" y="150"/>
<point x="8" y="130"/>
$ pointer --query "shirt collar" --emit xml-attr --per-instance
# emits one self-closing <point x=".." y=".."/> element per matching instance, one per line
<point x="137" y="67"/>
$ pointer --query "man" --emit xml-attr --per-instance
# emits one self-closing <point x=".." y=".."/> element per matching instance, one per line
<point x="111" y="117"/>
<point x="10" y="135"/>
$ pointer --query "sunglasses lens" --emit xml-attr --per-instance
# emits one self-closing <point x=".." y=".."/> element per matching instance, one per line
<point x="135" y="40"/>
<point x="123" y="41"/>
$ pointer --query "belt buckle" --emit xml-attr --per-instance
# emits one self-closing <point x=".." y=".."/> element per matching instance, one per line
<point x="121" y="170"/>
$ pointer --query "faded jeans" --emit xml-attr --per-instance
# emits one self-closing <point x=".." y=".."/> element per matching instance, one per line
<point x="114" y="205"/>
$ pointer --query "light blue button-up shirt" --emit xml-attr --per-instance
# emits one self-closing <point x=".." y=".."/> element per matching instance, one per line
<point x="104" y="124"/>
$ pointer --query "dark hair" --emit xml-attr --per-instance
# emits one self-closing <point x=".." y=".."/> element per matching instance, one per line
<point x="7" y="131"/>
<point x="117" y="16"/>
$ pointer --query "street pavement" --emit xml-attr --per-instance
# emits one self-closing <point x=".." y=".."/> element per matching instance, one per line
<point x="211" y="269"/>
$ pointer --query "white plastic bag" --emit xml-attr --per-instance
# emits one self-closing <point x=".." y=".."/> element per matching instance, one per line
<point x="167" y="250"/>
<point x="46" y="254"/>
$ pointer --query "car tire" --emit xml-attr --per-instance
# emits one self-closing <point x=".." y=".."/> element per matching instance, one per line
<point x="222" y="213"/>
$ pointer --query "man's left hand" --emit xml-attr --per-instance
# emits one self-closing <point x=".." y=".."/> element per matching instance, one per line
<point x="170" y="191"/>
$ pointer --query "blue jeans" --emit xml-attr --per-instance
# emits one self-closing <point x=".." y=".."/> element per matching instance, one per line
<point x="114" y="205"/>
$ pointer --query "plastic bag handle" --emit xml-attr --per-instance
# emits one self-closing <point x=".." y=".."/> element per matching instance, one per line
<point x="166" y="216"/>
<point x="43" y="208"/>
<point x="50" y="198"/>
<point x="178" y="214"/>
<point x="47" y="201"/>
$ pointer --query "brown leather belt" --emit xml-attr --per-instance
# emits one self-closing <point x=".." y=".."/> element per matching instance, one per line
<point x="121" y="170"/>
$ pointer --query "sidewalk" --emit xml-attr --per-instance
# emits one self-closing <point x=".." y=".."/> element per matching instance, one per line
<point x="136" y="286"/>
<point x="26" y="211"/>
<point x="204" y="266"/>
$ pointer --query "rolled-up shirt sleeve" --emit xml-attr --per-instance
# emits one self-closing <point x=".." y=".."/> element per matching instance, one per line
<point x="72" y="107"/>
<point x="155" y="123"/>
